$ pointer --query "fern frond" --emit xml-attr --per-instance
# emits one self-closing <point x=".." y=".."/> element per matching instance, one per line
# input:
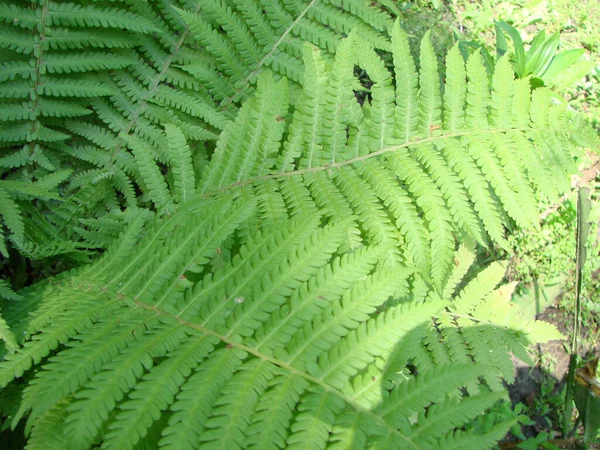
<point x="449" y="174"/>
<point x="73" y="87"/>
<point x="413" y="395"/>
<point x="150" y="172"/>
<point x="73" y="15"/>
<point x="196" y="400"/>
<point x="455" y="91"/>
<point x="251" y="142"/>
<point x="286" y="301"/>
<point x="482" y="324"/>
<point x="274" y="38"/>
<point x="156" y="391"/>
<point x="81" y="63"/>
<point x="222" y="350"/>
<point x="463" y="259"/>
<point x="461" y="439"/>
<point x="30" y="232"/>
<point x="6" y="292"/>
<point x="49" y="425"/>
<point x="132" y="69"/>
<point x="22" y="17"/>
<point x="478" y="95"/>
<point x="62" y="75"/>
<point x="442" y="417"/>
<point x="340" y="110"/>
<point x="183" y="172"/>
<point x="406" y="85"/>
<point x="97" y="379"/>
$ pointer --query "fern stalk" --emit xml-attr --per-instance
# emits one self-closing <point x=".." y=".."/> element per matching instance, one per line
<point x="583" y="228"/>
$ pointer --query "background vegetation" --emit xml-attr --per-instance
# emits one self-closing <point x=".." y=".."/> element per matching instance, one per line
<point x="542" y="260"/>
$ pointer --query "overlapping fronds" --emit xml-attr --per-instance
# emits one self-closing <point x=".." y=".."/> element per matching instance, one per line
<point x="292" y="342"/>
<point x="418" y="164"/>
<point x="23" y="225"/>
<point x="55" y="59"/>
<point x="192" y="74"/>
<point x="304" y="291"/>
<point x="53" y="54"/>
<point x="92" y="85"/>
<point x="240" y="38"/>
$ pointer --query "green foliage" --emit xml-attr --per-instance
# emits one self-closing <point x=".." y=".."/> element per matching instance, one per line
<point x="302" y="289"/>
<point x="91" y="86"/>
<point x="587" y="400"/>
<point x="541" y="60"/>
<point x="543" y="260"/>
<point x="577" y="22"/>
<point x="281" y="265"/>
<point x="309" y="343"/>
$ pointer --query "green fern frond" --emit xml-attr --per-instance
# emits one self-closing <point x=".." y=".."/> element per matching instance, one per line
<point x="7" y="337"/>
<point x="222" y="351"/>
<point x="455" y="91"/>
<point x="482" y="324"/>
<point x="73" y="15"/>
<point x="30" y="232"/>
<point x="458" y="175"/>
<point x="6" y="292"/>
<point x="130" y="70"/>
<point x="59" y="63"/>
<point x="253" y="39"/>
<point x="145" y="99"/>
<point x="299" y="289"/>
<point x="442" y="417"/>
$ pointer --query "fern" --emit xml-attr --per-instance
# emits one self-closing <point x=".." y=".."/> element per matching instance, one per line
<point x="91" y="86"/>
<point x="300" y="292"/>
<point x="46" y="79"/>
<point x="417" y="184"/>
<point x="309" y="337"/>
<point x="27" y="230"/>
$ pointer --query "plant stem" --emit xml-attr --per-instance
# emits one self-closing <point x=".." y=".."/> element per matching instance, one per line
<point x="583" y="228"/>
